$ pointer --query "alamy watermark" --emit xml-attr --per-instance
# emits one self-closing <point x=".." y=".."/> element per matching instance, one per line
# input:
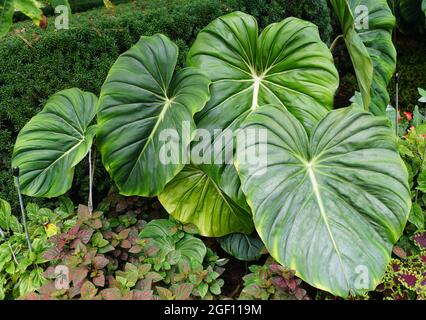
<point x="247" y="147"/>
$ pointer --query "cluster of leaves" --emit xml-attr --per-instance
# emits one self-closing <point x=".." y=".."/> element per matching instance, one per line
<point x="272" y="281"/>
<point x="125" y="258"/>
<point x="82" y="57"/>
<point x="21" y="270"/>
<point x="412" y="147"/>
<point x="405" y="277"/>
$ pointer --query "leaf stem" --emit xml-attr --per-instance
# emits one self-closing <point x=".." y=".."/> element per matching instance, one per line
<point x="90" y="204"/>
<point x="333" y="45"/>
<point x="21" y="203"/>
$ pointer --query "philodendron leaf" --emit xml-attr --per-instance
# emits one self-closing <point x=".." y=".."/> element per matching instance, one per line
<point x="6" y="16"/>
<point x="141" y="99"/>
<point x="31" y="8"/>
<point x="367" y="29"/>
<point x="329" y="205"/>
<point x="53" y="142"/>
<point x="287" y="64"/>
<point x="424" y="6"/>
<point x="243" y="247"/>
<point x="193" y="197"/>
<point x="191" y="247"/>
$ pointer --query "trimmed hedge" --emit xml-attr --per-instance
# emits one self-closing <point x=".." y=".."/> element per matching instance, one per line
<point x="81" y="57"/>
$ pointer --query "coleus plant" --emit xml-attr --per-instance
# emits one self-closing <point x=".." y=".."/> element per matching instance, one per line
<point x="335" y="196"/>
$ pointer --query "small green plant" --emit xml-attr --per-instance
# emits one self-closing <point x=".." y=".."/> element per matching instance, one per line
<point x="124" y="258"/>
<point x="272" y="282"/>
<point x="21" y="271"/>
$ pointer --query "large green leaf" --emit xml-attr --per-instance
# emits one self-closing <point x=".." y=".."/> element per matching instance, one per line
<point x="6" y="16"/>
<point x="141" y="98"/>
<point x="53" y="142"/>
<point x="243" y="247"/>
<point x="424" y="6"/>
<point x="31" y="8"/>
<point x="193" y="197"/>
<point x="368" y="37"/>
<point x="329" y="206"/>
<point x="287" y="64"/>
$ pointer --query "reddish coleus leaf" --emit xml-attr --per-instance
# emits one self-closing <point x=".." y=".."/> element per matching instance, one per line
<point x="100" y="262"/>
<point x="99" y="280"/>
<point x="78" y="275"/>
<point x="135" y="249"/>
<point x="164" y="293"/>
<point x="88" y="290"/>
<point x="96" y="224"/>
<point x="125" y="244"/>
<point x="72" y="233"/>
<point x="59" y="240"/>
<point x="111" y="294"/>
<point x="124" y="234"/>
<point x="142" y="295"/>
<point x="183" y="291"/>
<point x="48" y="289"/>
<point x="52" y="254"/>
<point x="399" y="252"/>
<point x="279" y="282"/>
<point x="300" y="294"/>
<point x="31" y="296"/>
<point x="83" y="213"/>
<point x="144" y="285"/>
<point x="85" y="235"/>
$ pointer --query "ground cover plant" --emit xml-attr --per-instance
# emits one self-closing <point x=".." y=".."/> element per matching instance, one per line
<point x="335" y="196"/>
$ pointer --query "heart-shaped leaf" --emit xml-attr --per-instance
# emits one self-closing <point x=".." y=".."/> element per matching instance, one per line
<point x="243" y="247"/>
<point x="286" y="64"/>
<point x="367" y="29"/>
<point x="141" y="100"/>
<point x="53" y="142"/>
<point x="194" y="197"/>
<point x="329" y="206"/>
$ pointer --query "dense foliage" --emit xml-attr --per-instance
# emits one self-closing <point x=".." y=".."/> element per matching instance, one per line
<point x="55" y="60"/>
<point x="335" y="197"/>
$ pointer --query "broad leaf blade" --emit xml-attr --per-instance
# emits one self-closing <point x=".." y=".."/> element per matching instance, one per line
<point x="53" y="142"/>
<point x="6" y="16"/>
<point x="330" y="206"/>
<point x="243" y="247"/>
<point x="287" y="64"/>
<point x="193" y="197"/>
<point x="141" y="99"/>
<point x="31" y="9"/>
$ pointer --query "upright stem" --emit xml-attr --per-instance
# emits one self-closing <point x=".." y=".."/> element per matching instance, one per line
<point x="90" y="182"/>
<point x="21" y="203"/>
<point x="333" y="45"/>
<point x="396" y="102"/>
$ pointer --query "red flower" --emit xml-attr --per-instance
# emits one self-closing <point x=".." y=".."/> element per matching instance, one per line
<point x="408" y="115"/>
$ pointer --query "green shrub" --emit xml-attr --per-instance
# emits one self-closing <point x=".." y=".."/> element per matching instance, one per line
<point x="54" y="60"/>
